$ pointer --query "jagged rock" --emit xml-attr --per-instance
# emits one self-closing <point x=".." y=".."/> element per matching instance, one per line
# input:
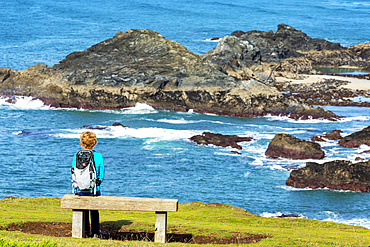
<point x="142" y="66"/>
<point x="357" y="55"/>
<point x="287" y="53"/>
<point x="241" y="49"/>
<point x="288" y="146"/>
<point x="336" y="175"/>
<point x="208" y="138"/>
<point x="356" y="139"/>
<point x="317" y="139"/>
<point x="323" y="92"/>
<point x="333" y="135"/>
<point x="119" y="124"/>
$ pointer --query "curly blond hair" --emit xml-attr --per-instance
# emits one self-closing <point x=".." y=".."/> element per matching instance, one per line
<point x="88" y="140"/>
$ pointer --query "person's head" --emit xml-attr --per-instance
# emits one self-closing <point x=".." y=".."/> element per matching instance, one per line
<point x="88" y="140"/>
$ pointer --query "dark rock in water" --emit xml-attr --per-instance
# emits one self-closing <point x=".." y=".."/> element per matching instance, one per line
<point x="356" y="139"/>
<point x="94" y="127"/>
<point x="24" y="133"/>
<point x="333" y="135"/>
<point x="336" y="175"/>
<point x="359" y="159"/>
<point x="216" y="38"/>
<point x="235" y="152"/>
<point x="99" y="127"/>
<point x="317" y="139"/>
<point x="208" y="138"/>
<point x="288" y="216"/>
<point x="119" y="124"/>
<point x="288" y="146"/>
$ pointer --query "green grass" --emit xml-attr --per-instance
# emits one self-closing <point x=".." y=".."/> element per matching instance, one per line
<point x="194" y="218"/>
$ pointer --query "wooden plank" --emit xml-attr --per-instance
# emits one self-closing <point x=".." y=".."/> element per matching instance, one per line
<point x="78" y="223"/>
<point x="160" y="227"/>
<point x="118" y="203"/>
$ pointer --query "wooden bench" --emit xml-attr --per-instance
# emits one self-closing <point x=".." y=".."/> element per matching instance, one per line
<point x="79" y="204"/>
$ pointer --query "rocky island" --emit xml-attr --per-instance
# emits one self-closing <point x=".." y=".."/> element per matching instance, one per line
<point x="288" y="146"/>
<point x="236" y="78"/>
<point x="337" y="175"/>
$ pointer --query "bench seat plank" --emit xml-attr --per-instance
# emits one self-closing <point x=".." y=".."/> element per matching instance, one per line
<point x="118" y="203"/>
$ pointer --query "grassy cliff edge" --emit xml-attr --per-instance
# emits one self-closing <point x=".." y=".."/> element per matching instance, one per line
<point x="212" y="221"/>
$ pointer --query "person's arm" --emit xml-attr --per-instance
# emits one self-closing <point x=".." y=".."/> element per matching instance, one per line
<point x="74" y="161"/>
<point x="99" y="165"/>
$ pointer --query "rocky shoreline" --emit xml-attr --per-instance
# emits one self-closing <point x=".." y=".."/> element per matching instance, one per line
<point x="236" y="78"/>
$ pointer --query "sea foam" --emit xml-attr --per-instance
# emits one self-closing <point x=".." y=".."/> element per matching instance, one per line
<point x="23" y="103"/>
<point x="279" y="214"/>
<point x="152" y="134"/>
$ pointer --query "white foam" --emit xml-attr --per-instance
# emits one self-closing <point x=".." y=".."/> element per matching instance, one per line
<point x="291" y="120"/>
<point x="227" y="154"/>
<point x="152" y="134"/>
<point x="212" y="40"/>
<point x="351" y="119"/>
<point x="278" y="167"/>
<point x="278" y="214"/>
<point x="139" y="108"/>
<point x="247" y="174"/>
<point x="289" y="188"/>
<point x="334" y="217"/>
<point x="23" y="103"/>
<point x="176" y="121"/>
<point x="363" y="4"/>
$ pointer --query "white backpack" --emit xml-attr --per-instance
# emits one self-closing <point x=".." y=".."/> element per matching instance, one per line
<point x="84" y="172"/>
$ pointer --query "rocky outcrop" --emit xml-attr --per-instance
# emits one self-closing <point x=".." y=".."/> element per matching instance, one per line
<point x="258" y="46"/>
<point x="356" y="139"/>
<point x="288" y="146"/>
<point x="142" y="66"/>
<point x="208" y="138"/>
<point x="288" y="53"/>
<point x="357" y="55"/>
<point x="336" y="175"/>
<point x="238" y="51"/>
<point x="323" y="92"/>
<point x="333" y="135"/>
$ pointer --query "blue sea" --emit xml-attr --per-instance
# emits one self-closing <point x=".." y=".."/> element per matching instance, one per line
<point x="154" y="157"/>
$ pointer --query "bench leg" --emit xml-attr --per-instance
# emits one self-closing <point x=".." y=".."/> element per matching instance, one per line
<point x="78" y="223"/>
<point x="160" y="227"/>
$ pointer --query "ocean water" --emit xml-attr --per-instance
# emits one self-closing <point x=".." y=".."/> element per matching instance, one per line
<point x="154" y="157"/>
<point x="46" y="31"/>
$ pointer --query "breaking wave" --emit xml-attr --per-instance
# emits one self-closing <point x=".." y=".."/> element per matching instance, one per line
<point x="151" y="133"/>
<point x="23" y="103"/>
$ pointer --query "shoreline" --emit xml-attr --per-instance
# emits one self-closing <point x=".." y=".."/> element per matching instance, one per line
<point x="354" y="83"/>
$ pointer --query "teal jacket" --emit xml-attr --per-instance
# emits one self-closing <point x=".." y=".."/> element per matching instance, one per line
<point x="99" y="166"/>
